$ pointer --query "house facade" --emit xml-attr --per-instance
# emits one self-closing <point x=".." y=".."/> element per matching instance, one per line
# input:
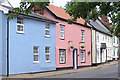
<point x="69" y="39"/>
<point x="101" y="43"/>
<point x="115" y="48"/>
<point x="27" y="44"/>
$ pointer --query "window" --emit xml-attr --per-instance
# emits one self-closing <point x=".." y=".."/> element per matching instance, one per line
<point x="62" y="55"/>
<point x="82" y="56"/>
<point x="108" y="38"/>
<point x="47" y="30"/>
<point x="98" y="52"/>
<point x="47" y="54"/>
<point x="103" y="37"/>
<point x="114" y="51"/>
<point x="97" y="37"/>
<point x="20" y="25"/>
<point x="36" y="54"/>
<point x="114" y="39"/>
<point x="82" y="36"/>
<point x="117" y="40"/>
<point x="62" y="30"/>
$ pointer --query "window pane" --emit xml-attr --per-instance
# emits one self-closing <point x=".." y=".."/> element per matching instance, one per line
<point x="36" y="53"/>
<point x="47" y="26"/>
<point x="62" y="56"/>
<point x="47" y="50"/>
<point x="47" y="57"/>
<point x="82" y="35"/>
<point x="35" y="57"/>
<point x="46" y="32"/>
<point x="82" y="56"/>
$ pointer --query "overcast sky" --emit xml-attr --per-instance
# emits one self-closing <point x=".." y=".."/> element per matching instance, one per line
<point x="59" y="3"/>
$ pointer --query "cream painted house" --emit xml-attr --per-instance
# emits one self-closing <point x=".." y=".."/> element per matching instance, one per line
<point x="115" y="47"/>
<point x="102" y="47"/>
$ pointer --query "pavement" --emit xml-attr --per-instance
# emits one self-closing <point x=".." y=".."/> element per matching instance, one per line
<point x="61" y="72"/>
<point x="105" y="72"/>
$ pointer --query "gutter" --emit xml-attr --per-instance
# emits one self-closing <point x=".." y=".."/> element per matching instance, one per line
<point x="7" y="47"/>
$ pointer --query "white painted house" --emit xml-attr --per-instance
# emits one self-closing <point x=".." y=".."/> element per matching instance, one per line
<point x="102" y="47"/>
<point x="115" y="47"/>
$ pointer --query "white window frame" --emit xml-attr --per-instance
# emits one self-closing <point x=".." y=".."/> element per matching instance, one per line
<point x="46" y="29"/>
<point x="103" y="37"/>
<point x="62" y="32"/>
<point x="47" y="53"/>
<point x="98" y="52"/>
<point x="83" y="56"/>
<point x="20" y="24"/>
<point x="34" y="54"/>
<point x="83" y="36"/>
<point x="62" y="56"/>
<point x="97" y="36"/>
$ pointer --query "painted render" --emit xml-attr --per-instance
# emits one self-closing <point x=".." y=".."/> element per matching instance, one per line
<point x="72" y="33"/>
<point x="3" y="42"/>
<point x="115" y="47"/>
<point x="93" y="46"/>
<point x="21" y="46"/>
<point x="99" y="37"/>
<point x="0" y="43"/>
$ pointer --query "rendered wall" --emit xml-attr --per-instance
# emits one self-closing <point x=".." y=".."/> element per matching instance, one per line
<point x="21" y="47"/>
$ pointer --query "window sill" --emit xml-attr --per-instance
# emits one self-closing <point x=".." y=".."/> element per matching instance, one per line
<point x="47" y="36"/>
<point x="82" y="62"/>
<point x="48" y="61"/>
<point x="62" y="63"/>
<point x="35" y="62"/>
<point x="62" y="39"/>
<point x="20" y="32"/>
<point x="82" y="42"/>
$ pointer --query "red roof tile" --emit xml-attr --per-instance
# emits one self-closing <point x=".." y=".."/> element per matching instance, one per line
<point x="60" y="12"/>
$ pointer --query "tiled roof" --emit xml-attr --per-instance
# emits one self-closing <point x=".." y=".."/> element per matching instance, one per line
<point x="61" y="13"/>
<point x="99" y="27"/>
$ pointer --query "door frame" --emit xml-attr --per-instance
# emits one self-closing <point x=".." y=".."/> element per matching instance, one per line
<point x="76" y="57"/>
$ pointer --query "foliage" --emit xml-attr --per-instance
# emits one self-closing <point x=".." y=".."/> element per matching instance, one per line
<point x="82" y="46"/>
<point x="88" y="52"/>
<point x="93" y="10"/>
<point x="26" y="8"/>
<point x="71" y="47"/>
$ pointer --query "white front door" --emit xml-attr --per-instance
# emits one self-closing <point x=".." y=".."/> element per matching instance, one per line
<point x="75" y="59"/>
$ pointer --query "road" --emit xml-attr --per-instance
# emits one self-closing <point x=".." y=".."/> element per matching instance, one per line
<point x="105" y="72"/>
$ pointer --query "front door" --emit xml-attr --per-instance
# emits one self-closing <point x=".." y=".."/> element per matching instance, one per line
<point x="75" y="58"/>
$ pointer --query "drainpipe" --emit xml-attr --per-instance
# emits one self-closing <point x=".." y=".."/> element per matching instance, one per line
<point x="7" y="47"/>
<point x="106" y="55"/>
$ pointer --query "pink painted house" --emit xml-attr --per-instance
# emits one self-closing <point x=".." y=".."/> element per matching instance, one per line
<point x="69" y="36"/>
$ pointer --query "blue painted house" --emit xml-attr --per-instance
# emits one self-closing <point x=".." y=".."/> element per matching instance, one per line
<point x="27" y="44"/>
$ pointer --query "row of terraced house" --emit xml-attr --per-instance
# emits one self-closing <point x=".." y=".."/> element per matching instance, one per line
<point x="44" y="41"/>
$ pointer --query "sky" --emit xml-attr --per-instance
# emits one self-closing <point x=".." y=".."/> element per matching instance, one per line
<point x="59" y="3"/>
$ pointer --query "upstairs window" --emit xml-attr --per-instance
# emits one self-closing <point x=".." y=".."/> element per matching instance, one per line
<point x="62" y="30"/>
<point x="20" y="25"/>
<point x="103" y="37"/>
<point x="47" y="30"/>
<point x="114" y="39"/>
<point x="47" y="54"/>
<point x="97" y="36"/>
<point x="82" y="36"/>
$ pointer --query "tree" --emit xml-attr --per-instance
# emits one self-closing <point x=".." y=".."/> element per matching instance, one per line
<point x="26" y="8"/>
<point x="93" y="10"/>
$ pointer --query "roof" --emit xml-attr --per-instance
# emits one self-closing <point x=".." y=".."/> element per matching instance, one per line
<point x="32" y="15"/>
<point x="61" y="13"/>
<point x="99" y="27"/>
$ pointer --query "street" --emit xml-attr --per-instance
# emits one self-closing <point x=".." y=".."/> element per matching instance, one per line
<point x="105" y="72"/>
